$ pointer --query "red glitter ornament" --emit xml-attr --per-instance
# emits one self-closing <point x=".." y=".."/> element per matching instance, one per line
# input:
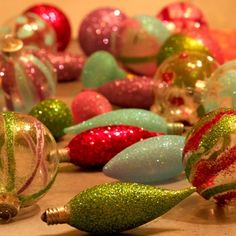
<point x="88" y="104"/>
<point x="57" y="19"/>
<point x="95" y="147"/>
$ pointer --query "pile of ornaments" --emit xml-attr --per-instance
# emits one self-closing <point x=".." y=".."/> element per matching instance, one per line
<point x="144" y="80"/>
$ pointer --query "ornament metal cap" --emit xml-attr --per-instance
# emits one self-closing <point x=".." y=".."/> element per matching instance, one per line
<point x="9" y="206"/>
<point x="9" y="44"/>
<point x="175" y="128"/>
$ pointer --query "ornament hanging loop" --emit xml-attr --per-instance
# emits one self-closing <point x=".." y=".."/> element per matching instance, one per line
<point x="10" y="44"/>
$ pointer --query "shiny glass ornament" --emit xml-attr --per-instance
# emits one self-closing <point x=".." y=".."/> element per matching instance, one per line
<point x="179" y="84"/>
<point x="98" y="28"/>
<point x="137" y="43"/>
<point x="179" y="16"/>
<point x="115" y="207"/>
<point x="209" y="156"/>
<point x="95" y="147"/>
<point x="153" y="160"/>
<point x="26" y="78"/>
<point x="57" y="19"/>
<point x="100" y="68"/>
<point x="25" y="169"/>
<point x="220" y="88"/>
<point x="54" y="114"/>
<point x="32" y="30"/>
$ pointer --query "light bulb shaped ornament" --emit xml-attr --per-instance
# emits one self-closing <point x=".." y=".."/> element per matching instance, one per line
<point x="25" y="169"/>
<point x="115" y="207"/>
<point x="153" y="160"/>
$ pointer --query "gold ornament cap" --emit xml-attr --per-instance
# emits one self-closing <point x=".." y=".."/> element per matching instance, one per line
<point x="9" y="44"/>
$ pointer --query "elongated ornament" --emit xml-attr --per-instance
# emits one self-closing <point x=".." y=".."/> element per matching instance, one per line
<point x="115" y="207"/>
<point x="153" y="160"/>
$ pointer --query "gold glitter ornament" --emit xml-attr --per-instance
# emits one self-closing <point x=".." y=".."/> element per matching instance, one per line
<point x="115" y="207"/>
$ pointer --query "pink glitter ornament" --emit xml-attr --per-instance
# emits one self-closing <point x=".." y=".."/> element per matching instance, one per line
<point x="179" y="16"/>
<point x="88" y="104"/>
<point x="98" y="28"/>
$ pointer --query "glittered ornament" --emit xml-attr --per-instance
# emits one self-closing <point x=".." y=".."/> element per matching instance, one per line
<point x="115" y="207"/>
<point x="220" y="88"/>
<point x="209" y="156"/>
<point x="137" y="43"/>
<point x="95" y="147"/>
<point x="133" y="91"/>
<point x="100" y="68"/>
<point x="153" y="160"/>
<point x="57" y="20"/>
<point x="26" y="78"/>
<point x="98" y="28"/>
<point x="179" y="16"/>
<point x="32" y="30"/>
<point x="135" y="117"/>
<point x="88" y="104"/>
<point x="26" y="171"/>
<point x="179" y="84"/>
<point x="54" y="114"/>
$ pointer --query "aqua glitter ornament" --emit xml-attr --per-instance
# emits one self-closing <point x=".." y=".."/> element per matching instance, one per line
<point x="25" y="169"/>
<point x="100" y="68"/>
<point x="115" y="207"/>
<point x="153" y="160"/>
<point x="209" y="156"/>
<point x="54" y="114"/>
<point x="220" y="88"/>
<point x="135" y="117"/>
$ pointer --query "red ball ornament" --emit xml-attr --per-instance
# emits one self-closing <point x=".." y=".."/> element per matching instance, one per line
<point x="95" y="147"/>
<point x="57" y="19"/>
<point x="98" y="28"/>
<point x="179" y="16"/>
<point x="88" y="104"/>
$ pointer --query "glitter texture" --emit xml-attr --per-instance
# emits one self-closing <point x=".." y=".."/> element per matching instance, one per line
<point x="88" y="104"/>
<point x="54" y="114"/>
<point x="210" y="156"/>
<point x="135" y="117"/>
<point x="133" y="92"/>
<point x="150" y="161"/>
<point x="115" y="207"/>
<point x="95" y="147"/>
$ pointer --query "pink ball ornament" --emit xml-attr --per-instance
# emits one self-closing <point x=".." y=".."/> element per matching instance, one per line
<point x="98" y="28"/>
<point x="88" y="104"/>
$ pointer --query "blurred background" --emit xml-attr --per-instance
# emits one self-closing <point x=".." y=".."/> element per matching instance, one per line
<point x="220" y="13"/>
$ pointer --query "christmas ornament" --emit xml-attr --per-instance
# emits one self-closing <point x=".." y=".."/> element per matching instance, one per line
<point x="100" y="68"/>
<point x="115" y="207"/>
<point x="54" y="114"/>
<point x="26" y="78"/>
<point x="88" y="104"/>
<point x="135" y="117"/>
<point x="26" y="171"/>
<point x="179" y="84"/>
<point x="57" y="20"/>
<point x="95" y="147"/>
<point x="133" y="91"/>
<point x="179" y="16"/>
<point x="98" y="28"/>
<point x="209" y="156"/>
<point x="32" y="30"/>
<point x="150" y="161"/>
<point x="220" y="88"/>
<point x="137" y="43"/>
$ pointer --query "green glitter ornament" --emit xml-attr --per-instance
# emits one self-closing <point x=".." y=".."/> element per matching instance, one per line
<point x="54" y="114"/>
<point x="115" y="207"/>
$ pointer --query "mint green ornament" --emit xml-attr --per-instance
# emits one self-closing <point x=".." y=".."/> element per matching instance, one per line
<point x="115" y="207"/>
<point x="100" y="68"/>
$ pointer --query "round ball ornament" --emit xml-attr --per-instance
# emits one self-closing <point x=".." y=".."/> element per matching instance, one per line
<point x="209" y="156"/>
<point x="26" y="171"/>
<point x="179" y="84"/>
<point x="54" y="114"/>
<point x="26" y="78"/>
<point x="98" y="28"/>
<point x="57" y="20"/>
